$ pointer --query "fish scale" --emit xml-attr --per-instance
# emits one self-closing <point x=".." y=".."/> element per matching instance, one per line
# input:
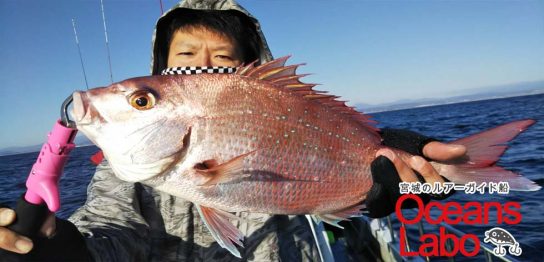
<point x="258" y="140"/>
<point x="220" y="135"/>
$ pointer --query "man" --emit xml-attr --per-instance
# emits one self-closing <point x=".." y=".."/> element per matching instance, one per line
<point x="125" y="221"/>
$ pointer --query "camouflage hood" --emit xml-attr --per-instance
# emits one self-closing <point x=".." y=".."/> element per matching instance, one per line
<point x="161" y="26"/>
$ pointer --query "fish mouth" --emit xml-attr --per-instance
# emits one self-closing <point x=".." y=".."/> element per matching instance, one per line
<point x="79" y="106"/>
<point x="83" y="111"/>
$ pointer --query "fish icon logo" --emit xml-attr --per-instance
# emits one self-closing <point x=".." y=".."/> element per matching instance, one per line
<point x="500" y="238"/>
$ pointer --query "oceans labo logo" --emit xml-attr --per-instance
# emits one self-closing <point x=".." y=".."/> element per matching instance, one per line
<point x="453" y="213"/>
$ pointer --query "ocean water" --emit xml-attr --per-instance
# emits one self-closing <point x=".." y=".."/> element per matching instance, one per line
<point x="445" y="122"/>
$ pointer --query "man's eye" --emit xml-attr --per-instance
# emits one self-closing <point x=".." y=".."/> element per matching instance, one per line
<point x="224" y="57"/>
<point x="185" y="53"/>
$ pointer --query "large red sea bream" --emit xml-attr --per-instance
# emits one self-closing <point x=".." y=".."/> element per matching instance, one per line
<point x="258" y="140"/>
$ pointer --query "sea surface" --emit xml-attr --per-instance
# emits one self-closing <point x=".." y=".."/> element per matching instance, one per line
<point x="444" y="122"/>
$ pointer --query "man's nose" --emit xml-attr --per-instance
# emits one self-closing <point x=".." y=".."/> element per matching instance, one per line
<point x="205" y="58"/>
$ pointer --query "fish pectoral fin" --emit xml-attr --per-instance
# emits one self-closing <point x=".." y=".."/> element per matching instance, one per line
<point x="222" y="230"/>
<point x="343" y="214"/>
<point x="214" y="173"/>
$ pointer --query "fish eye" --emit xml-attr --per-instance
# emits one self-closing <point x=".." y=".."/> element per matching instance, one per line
<point x="142" y="100"/>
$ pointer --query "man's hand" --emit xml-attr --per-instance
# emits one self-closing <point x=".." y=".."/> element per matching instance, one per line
<point x="443" y="152"/>
<point x="389" y="169"/>
<point x="14" y="242"/>
<point x="10" y="240"/>
<point x="434" y="150"/>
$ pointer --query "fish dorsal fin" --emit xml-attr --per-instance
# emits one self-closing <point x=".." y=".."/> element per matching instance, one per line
<point x="285" y="77"/>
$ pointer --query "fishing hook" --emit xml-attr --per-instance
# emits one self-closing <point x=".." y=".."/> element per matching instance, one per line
<point x="65" y="118"/>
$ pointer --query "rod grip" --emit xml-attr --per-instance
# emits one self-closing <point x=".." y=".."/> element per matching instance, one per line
<point x="29" y="218"/>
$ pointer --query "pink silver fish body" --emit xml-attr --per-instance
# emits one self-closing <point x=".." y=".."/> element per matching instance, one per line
<point x="258" y="140"/>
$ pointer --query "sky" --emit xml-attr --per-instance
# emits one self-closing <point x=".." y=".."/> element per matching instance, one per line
<point x="368" y="52"/>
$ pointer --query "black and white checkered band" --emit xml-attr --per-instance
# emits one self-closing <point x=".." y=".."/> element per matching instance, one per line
<point x="190" y="70"/>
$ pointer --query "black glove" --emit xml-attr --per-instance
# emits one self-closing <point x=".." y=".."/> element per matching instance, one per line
<point x="67" y="244"/>
<point x="385" y="192"/>
<point x="405" y="140"/>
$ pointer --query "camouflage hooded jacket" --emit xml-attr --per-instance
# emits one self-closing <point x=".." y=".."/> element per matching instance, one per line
<point x="130" y="222"/>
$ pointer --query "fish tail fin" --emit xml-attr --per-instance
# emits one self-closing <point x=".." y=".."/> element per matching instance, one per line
<point x="483" y="151"/>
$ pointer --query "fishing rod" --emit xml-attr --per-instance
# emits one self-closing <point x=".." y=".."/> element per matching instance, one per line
<point x="106" y="36"/>
<point x="162" y="11"/>
<point x="79" y="51"/>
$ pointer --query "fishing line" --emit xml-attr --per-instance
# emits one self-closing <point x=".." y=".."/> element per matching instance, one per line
<point x="79" y="51"/>
<point x="106" y="36"/>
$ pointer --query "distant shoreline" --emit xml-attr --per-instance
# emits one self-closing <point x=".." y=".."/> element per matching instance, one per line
<point x="398" y="107"/>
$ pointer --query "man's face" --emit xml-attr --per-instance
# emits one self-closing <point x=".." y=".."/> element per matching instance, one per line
<point x="201" y="47"/>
